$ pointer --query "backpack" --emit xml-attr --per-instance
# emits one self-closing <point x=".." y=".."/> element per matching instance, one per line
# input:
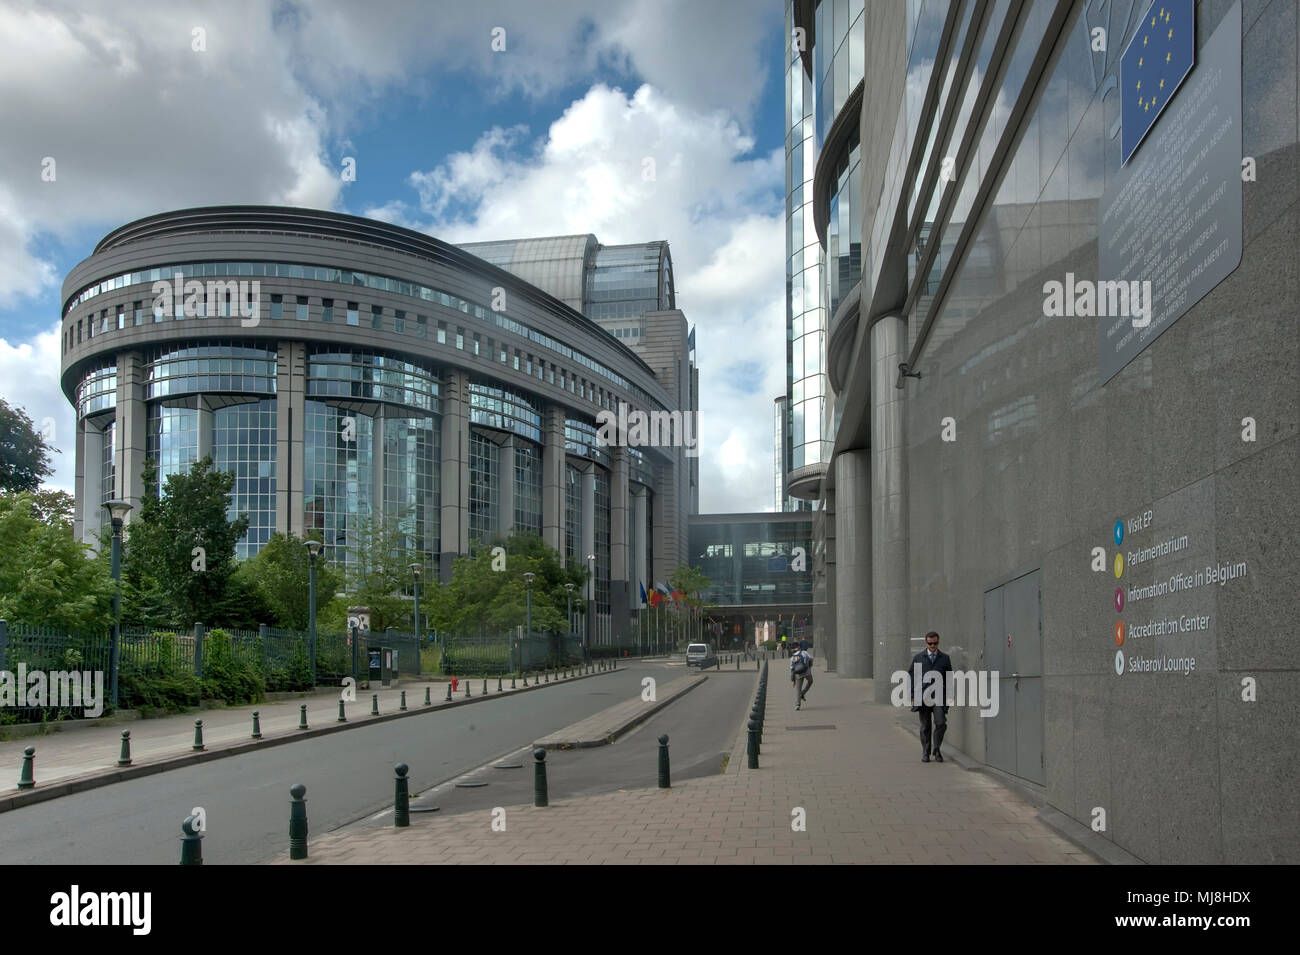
<point x="799" y="665"/>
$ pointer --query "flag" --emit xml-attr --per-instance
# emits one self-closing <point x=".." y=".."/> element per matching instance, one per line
<point x="642" y="586"/>
<point x="1160" y="55"/>
<point x="690" y="340"/>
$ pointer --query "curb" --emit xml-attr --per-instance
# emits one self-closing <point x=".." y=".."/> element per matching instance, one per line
<point x="16" y="799"/>
<point x="623" y="728"/>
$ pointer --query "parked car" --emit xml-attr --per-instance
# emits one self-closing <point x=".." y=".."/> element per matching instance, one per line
<point x="700" y="655"/>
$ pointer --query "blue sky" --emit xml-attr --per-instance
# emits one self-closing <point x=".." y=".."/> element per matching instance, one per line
<point x="499" y="119"/>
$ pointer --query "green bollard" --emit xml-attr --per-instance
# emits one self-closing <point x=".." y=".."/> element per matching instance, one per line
<point x="753" y="745"/>
<point x="547" y="675"/>
<point x="257" y="726"/>
<point x="428" y="700"/>
<point x="512" y="681"/>
<point x="302" y="717"/>
<point x="402" y="704"/>
<point x="664" y="782"/>
<point x="198" y="736"/>
<point x="468" y="694"/>
<point x="401" y="799"/>
<point x="448" y="700"/>
<point x="298" y="821"/>
<point x="374" y="704"/>
<point x="343" y="716"/>
<point x="485" y="686"/>
<point x="539" y="777"/>
<point x="125" y="758"/>
<point x="191" y="842"/>
<point x="525" y="679"/>
<point x="25" y="778"/>
<point x="499" y="687"/>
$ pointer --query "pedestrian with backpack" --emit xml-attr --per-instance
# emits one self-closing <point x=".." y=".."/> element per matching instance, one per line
<point x="801" y="673"/>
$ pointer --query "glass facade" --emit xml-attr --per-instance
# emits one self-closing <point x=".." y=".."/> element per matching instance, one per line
<point x="172" y="440"/>
<point x="580" y="439"/>
<point x="243" y="443"/>
<point x="484" y="484"/>
<point x="629" y="280"/>
<point x="97" y="391"/>
<point x="107" y="466"/>
<point x="602" y="540"/>
<point x="209" y="367"/>
<point x="528" y="488"/>
<point x="504" y="410"/>
<point x="838" y="52"/>
<point x="572" y="516"/>
<point x="338" y="465"/>
<point x="754" y="563"/>
<point x="374" y="376"/>
<point x="412" y="479"/>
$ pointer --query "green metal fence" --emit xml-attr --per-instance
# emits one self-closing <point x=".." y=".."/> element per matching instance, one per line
<point x="25" y="649"/>
<point x="502" y="653"/>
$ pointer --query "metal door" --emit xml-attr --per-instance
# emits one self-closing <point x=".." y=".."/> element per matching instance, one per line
<point x="1013" y="645"/>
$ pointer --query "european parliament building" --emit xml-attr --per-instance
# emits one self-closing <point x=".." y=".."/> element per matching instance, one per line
<point x="347" y="370"/>
<point x="1044" y="393"/>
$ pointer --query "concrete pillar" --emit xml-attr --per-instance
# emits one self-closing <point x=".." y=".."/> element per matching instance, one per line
<point x="889" y="581"/>
<point x="506" y="487"/>
<point x="81" y="494"/>
<point x="853" y="563"/>
<point x="639" y="572"/>
<point x="553" y="481"/>
<point x="455" y="471"/>
<point x="826" y="609"/>
<point x="91" y="447"/>
<point x="588" y="525"/>
<point x="131" y="431"/>
<point x="290" y="431"/>
<point x="619" y="598"/>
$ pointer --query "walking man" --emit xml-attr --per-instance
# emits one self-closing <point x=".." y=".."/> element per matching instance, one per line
<point x="801" y="673"/>
<point x="930" y="660"/>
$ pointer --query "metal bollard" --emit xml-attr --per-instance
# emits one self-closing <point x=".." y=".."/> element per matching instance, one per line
<point x="448" y="691"/>
<point x="512" y="682"/>
<point x="525" y="679"/>
<point x="298" y="821"/>
<point x="547" y="674"/>
<point x="198" y="736"/>
<point x="753" y="745"/>
<point x="484" y="687"/>
<point x="302" y="717"/>
<point x="402" y="705"/>
<point x="737" y="664"/>
<point x="401" y="798"/>
<point x="257" y="726"/>
<point x="124" y="759"/>
<point x="467" y="692"/>
<point x="25" y="778"/>
<point x="191" y="842"/>
<point x="664" y="782"/>
<point x="428" y="700"/>
<point x="539" y="777"/>
<point x="343" y="716"/>
<point x="499" y="689"/>
<point x="374" y="704"/>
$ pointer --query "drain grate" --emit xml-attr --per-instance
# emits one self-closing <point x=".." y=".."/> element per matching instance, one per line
<point x="825" y="726"/>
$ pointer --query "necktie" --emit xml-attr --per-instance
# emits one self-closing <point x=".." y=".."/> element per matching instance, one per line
<point x="932" y="658"/>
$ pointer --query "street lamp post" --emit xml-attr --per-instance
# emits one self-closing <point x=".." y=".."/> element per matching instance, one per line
<point x="415" y="569"/>
<point x="117" y="511"/>
<point x="568" y="594"/>
<point x="313" y="548"/>
<point x="528" y="585"/>
<point x="591" y="602"/>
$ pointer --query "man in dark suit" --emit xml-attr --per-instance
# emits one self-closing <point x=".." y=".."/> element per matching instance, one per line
<point x="930" y="660"/>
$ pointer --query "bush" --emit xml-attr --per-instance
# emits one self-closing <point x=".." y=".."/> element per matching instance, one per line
<point x="226" y="676"/>
<point x="153" y="686"/>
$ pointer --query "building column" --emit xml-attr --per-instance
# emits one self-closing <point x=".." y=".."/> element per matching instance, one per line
<point x="506" y="487"/>
<point x="455" y="471"/>
<point x="889" y="581"/>
<point x="130" y="433"/>
<point x="203" y="421"/>
<point x="377" y="506"/>
<point x="90" y="448"/>
<point x="639" y="505"/>
<point x="553" y="481"/>
<point x="290" y="432"/>
<point x="663" y="531"/>
<point x="588" y="529"/>
<point x="853" y="564"/>
<point x="619" y="600"/>
<point x="81" y="493"/>
<point x="824" y="595"/>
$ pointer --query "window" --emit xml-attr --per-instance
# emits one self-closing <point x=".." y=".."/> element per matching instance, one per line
<point x="422" y="326"/>
<point x="476" y="343"/>
<point x="78" y="331"/>
<point x="353" y="318"/>
<point x="516" y="361"/>
<point x="399" y="321"/>
<point x="103" y="320"/>
<point x="460" y="338"/>
<point x="327" y="310"/>
<point x="376" y="316"/>
<point x="277" y="306"/>
<point x="302" y="308"/>
<point x="121" y="316"/>
<point x="442" y="333"/>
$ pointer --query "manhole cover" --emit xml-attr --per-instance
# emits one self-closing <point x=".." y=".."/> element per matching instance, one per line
<point x="826" y="726"/>
<point x="509" y="766"/>
<point x="470" y="785"/>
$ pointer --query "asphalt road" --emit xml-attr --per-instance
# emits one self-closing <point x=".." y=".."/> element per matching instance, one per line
<point x="349" y="775"/>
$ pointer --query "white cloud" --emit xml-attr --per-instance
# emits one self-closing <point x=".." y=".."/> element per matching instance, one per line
<point x="30" y="373"/>
<point x="717" y="206"/>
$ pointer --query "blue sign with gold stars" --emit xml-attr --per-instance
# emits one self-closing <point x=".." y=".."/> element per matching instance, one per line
<point x="1159" y="57"/>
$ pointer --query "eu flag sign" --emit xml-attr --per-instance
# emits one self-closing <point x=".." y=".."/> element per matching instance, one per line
<point x="1160" y="55"/>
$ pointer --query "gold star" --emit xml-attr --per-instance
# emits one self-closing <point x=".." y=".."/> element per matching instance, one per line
<point x="1139" y="61"/>
<point x="1162" y="84"/>
<point x="1144" y="41"/>
<point x="1166" y="18"/>
<point x="1171" y="34"/>
<point x="1139" y="84"/>
<point x="1153" y="100"/>
<point x="1153" y="20"/>
<point x="1167" y="56"/>
<point x="1147" y="107"/>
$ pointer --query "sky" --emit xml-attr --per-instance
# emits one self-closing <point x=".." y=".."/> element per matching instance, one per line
<point x="467" y="121"/>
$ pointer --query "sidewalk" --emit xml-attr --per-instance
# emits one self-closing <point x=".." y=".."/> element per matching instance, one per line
<point x="854" y="772"/>
<point x="76" y="757"/>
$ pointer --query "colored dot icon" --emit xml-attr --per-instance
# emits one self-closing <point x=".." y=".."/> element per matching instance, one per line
<point x="1119" y="662"/>
<point x="1119" y="533"/>
<point x="1119" y="633"/>
<point x="1119" y="565"/>
<point x="1119" y="599"/>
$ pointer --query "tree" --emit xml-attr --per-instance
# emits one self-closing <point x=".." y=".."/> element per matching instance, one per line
<point x="47" y="577"/>
<point x="180" y="550"/>
<point x="279" y="576"/>
<point x="489" y="592"/>
<point x="24" y="455"/>
<point x="378" y="571"/>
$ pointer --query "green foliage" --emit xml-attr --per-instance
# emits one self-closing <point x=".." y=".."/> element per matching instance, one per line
<point x="24" y="455"/>
<point x="481" y="595"/>
<point x="279" y="575"/>
<point x="226" y="675"/>
<point x="46" y="575"/>
<point x="166" y="581"/>
<point x="295" y="676"/>
<point x="378" y="573"/>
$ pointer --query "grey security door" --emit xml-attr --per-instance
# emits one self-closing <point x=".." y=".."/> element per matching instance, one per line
<point x="1013" y="646"/>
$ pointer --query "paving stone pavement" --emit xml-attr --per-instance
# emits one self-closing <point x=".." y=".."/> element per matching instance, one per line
<point x="865" y="796"/>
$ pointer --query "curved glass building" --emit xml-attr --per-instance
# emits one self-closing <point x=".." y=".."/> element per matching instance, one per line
<point x="347" y="371"/>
